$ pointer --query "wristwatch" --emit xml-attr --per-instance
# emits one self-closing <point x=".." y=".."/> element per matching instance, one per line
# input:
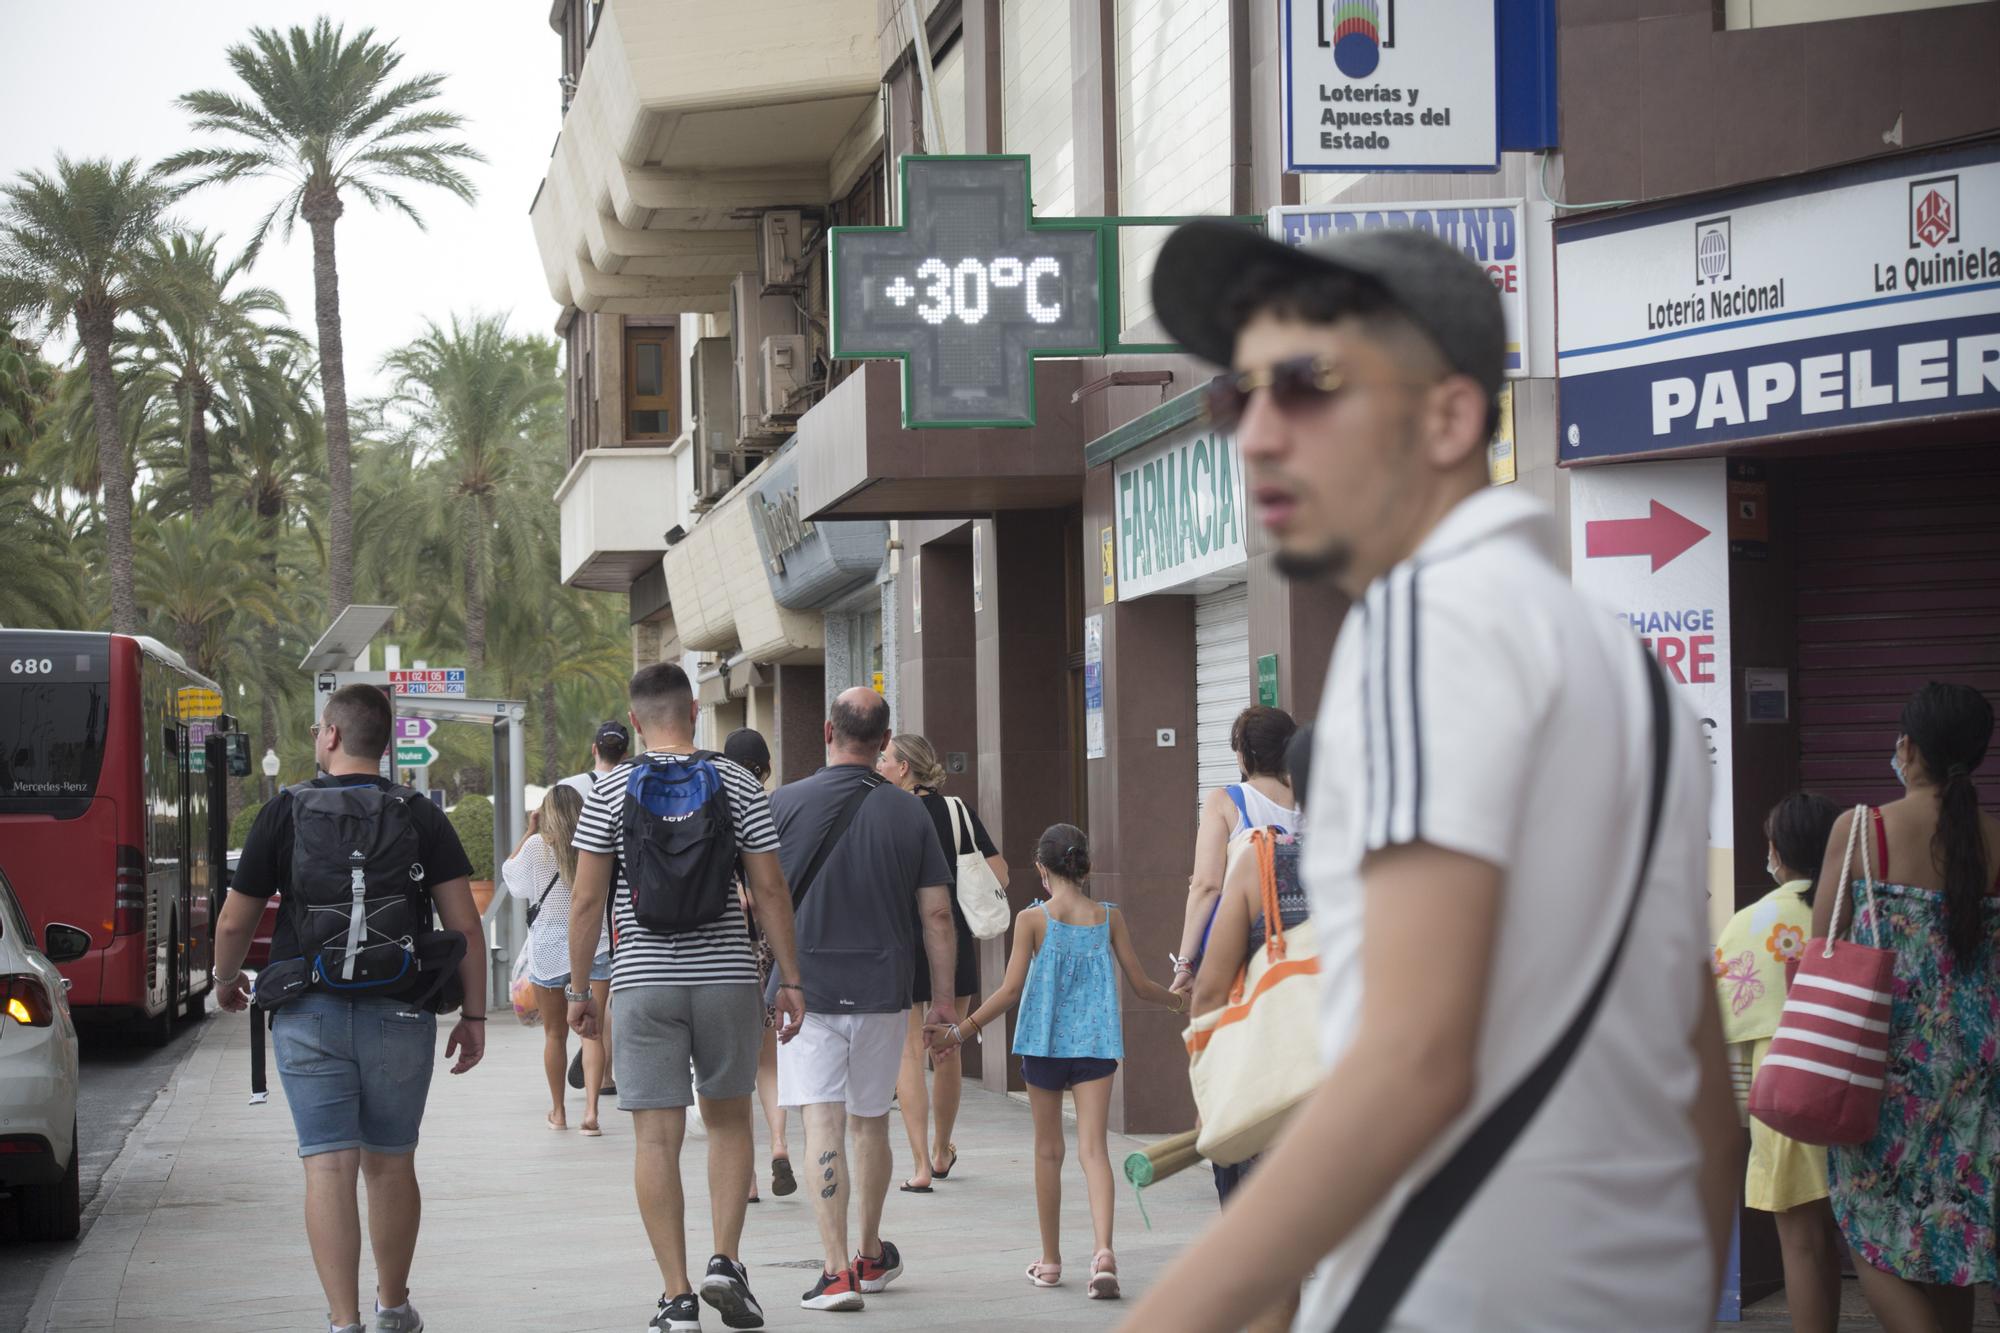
<point x="575" y="998"/>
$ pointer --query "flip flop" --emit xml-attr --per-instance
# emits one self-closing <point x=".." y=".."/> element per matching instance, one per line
<point x="783" y="1182"/>
<point x="591" y="1131"/>
<point x="908" y="1188"/>
<point x="945" y="1172"/>
<point x="1037" y="1269"/>
<point x="550" y="1121"/>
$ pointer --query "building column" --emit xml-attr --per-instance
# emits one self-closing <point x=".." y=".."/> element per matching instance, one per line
<point x="1022" y="650"/>
<point x="798" y="736"/>
<point x="1297" y="622"/>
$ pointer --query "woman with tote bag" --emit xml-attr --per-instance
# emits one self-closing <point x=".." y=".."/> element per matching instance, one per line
<point x="912" y="763"/>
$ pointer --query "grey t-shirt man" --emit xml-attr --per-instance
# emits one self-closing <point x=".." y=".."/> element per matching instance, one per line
<point x="857" y="924"/>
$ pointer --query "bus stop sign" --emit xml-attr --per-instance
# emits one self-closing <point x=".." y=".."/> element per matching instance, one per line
<point x="968" y="291"/>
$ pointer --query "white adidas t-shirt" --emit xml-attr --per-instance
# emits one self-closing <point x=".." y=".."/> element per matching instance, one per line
<point x="1478" y="703"/>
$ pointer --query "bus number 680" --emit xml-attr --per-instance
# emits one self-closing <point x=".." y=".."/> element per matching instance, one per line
<point x="32" y="666"/>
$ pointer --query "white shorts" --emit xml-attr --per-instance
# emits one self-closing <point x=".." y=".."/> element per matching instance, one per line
<point x="849" y="1058"/>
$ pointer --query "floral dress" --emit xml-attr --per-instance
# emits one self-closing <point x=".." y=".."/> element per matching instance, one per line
<point x="1918" y="1199"/>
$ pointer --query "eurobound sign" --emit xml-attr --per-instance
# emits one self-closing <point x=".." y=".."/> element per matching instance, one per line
<point x="1180" y="512"/>
<point x="1378" y="85"/>
<point x="1489" y="231"/>
<point x="1866" y="296"/>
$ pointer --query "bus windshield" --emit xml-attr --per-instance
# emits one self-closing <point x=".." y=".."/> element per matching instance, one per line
<point x="51" y="741"/>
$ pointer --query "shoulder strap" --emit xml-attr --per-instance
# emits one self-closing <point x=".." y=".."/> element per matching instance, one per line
<point x="833" y="835"/>
<point x="1430" y="1212"/>
<point x="1881" y="842"/>
<point x="1235" y="790"/>
<point x="960" y="819"/>
<point x="547" y="891"/>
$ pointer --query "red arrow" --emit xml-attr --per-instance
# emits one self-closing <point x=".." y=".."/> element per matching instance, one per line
<point x="1664" y="535"/>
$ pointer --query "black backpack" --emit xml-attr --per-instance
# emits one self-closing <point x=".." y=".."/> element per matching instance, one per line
<point x="679" y="844"/>
<point x="357" y="894"/>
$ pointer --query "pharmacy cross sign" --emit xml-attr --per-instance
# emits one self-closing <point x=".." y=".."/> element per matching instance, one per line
<point x="968" y="291"/>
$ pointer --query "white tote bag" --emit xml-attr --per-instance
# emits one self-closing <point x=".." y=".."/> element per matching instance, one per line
<point x="980" y="896"/>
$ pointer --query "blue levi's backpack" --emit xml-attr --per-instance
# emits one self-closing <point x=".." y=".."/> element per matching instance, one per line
<point x="679" y="843"/>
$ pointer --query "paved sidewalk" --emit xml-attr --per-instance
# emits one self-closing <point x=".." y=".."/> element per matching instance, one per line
<point x="199" y="1222"/>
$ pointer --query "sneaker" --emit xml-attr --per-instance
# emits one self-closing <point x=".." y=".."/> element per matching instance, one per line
<point x="403" y="1319"/>
<point x="876" y="1274"/>
<point x="834" y="1291"/>
<point x="727" y="1288"/>
<point x="682" y="1314"/>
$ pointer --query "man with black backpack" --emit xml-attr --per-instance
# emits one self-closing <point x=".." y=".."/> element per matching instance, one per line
<point x="662" y="839"/>
<point x="357" y="977"/>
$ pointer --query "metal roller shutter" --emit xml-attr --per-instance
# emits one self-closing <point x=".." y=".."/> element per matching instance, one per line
<point x="1221" y="681"/>
<point x="1898" y="584"/>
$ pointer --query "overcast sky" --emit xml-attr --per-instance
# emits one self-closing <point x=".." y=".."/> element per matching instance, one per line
<point x="98" y="78"/>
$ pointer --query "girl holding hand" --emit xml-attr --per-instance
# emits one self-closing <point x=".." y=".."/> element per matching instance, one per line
<point x="1067" y="953"/>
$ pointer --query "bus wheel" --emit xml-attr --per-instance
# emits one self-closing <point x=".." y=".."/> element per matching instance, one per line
<point x="159" y="1030"/>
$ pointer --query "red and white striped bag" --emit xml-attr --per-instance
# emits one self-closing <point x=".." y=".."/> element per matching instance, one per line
<point x="1821" y="1081"/>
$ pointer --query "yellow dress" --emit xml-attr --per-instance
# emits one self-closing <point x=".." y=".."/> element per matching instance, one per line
<point x="1750" y="963"/>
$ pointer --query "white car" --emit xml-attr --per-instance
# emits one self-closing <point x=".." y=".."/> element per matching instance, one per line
<point x="38" y="1076"/>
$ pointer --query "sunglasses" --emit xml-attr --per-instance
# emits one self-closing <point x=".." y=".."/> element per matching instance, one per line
<point x="1294" y="385"/>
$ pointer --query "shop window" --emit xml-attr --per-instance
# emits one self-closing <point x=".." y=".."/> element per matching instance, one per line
<point x="652" y="384"/>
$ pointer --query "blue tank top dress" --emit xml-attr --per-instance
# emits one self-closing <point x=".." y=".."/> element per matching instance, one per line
<point x="1068" y="1029"/>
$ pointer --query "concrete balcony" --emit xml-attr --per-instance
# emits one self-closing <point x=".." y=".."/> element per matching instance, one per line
<point x="616" y="506"/>
<point x="686" y="113"/>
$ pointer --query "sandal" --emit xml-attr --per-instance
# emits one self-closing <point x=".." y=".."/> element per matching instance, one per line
<point x="783" y="1182"/>
<point x="1104" y="1276"/>
<point x="910" y="1187"/>
<point x="1045" y="1274"/>
<point x="590" y="1130"/>
<point x="550" y="1121"/>
<point x="943" y="1172"/>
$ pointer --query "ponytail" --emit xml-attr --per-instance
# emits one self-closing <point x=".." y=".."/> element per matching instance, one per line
<point x="1959" y="846"/>
<point x="1950" y="726"/>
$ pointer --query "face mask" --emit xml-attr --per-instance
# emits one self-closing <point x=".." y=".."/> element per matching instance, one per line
<point x="1771" y="869"/>
<point x="1896" y="766"/>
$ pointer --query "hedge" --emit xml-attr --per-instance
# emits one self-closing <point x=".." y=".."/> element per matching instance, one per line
<point x="473" y="818"/>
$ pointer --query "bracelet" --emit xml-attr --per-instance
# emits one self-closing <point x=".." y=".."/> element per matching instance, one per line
<point x="957" y="1037"/>
<point x="790" y="985"/>
<point x="575" y="998"/>
<point x="472" y="1018"/>
<point x="970" y="1022"/>
<point x="229" y="980"/>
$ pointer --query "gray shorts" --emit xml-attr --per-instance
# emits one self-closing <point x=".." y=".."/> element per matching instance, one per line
<point x="657" y="1032"/>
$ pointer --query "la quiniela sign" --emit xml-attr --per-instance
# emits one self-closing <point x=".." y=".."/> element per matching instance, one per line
<point x="1179" y="512"/>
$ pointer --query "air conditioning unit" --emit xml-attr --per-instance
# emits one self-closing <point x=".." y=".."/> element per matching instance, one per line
<point x="780" y="243"/>
<point x="715" y="418"/>
<point x="786" y="372"/>
<point x="754" y="318"/>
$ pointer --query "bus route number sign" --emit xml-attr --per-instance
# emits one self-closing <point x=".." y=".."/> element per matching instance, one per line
<point x="967" y="292"/>
<point x="446" y="681"/>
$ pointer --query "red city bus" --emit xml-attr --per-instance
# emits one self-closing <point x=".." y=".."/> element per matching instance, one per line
<point x="113" y="814"/>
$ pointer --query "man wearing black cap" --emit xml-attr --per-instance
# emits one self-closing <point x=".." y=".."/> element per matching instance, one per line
<point x="608" y="749"/>
<point x="1526" y="1121"/>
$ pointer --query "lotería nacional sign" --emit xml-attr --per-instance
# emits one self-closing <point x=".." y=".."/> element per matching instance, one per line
<point x="968" y="291"/>
<point x="1860" y="296"/>
<point x="1179" y="512"/>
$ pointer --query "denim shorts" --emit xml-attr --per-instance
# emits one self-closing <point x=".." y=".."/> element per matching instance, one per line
<point x="356" y="1072"/>
<point x="600" y="970"/>
<point x="1058" y="1073"/>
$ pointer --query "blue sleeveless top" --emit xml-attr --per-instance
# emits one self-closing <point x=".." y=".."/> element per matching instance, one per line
<point x="1069" y="1006"/>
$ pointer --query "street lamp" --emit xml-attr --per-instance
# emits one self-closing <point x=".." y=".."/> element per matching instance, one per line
<point x="270" y="772"/>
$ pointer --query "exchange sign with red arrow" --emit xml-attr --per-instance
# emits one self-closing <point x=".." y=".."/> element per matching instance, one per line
<point x="1662" y="535"/>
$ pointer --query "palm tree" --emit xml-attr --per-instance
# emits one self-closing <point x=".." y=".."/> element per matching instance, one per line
<point x="195" y="333"/>
<point x="473" y="395"/>
<point x="70" y="247"/>
<point x="42" y="586"/>
<point x="27" y="383"/>
<point x="324" y="117"/>
<point x="205" y="583"/>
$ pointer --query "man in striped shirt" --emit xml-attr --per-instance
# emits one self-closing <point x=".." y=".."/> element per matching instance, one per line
<point x="681" y="999"/>
<point x="1505" y="851"/>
